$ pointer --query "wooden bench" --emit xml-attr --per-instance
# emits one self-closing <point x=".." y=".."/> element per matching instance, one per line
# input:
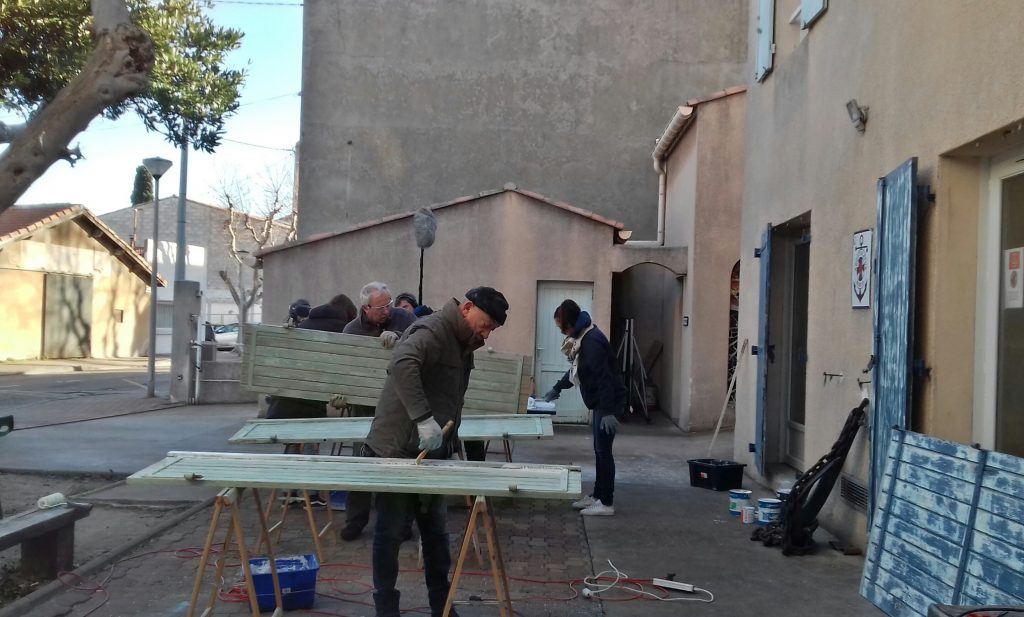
<point x="47" y="538"/>
<point x="316" y="365"/>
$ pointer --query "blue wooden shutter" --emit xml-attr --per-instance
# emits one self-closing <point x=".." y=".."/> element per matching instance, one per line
<point x="811" y="10"/>
<point x="763" y="309"/>
<point x="894" y="310"/>
<point x="765" y="38"/>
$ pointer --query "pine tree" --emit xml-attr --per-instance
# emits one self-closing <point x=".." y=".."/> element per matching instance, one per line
<point x="142" y="190"/>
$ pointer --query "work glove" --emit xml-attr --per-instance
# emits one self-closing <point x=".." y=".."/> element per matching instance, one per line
<point x="388" y="339"/>
<point x="609" y="424"/>
<point x="552" y="394"/>
<point x="430" y="433"/>
<point x="338" y="401"/>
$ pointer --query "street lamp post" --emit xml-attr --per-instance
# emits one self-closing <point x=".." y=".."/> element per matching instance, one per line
<point x="157" y="167"/>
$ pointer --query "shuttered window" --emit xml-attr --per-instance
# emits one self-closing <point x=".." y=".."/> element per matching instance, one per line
<point x="811" y="10"/>
<point x="765" y="38"/>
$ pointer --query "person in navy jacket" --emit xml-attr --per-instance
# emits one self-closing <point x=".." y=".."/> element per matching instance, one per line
<point x="593" y="370"/>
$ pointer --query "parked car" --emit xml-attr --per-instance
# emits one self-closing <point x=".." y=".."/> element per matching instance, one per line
<point x="226" y="336"/>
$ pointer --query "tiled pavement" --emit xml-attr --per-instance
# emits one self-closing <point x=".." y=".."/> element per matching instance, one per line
<point x="662" y="525"/>
<point x="541" y="540"/>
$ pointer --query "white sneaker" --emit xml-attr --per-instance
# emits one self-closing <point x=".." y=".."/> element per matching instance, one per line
<point x="598" y="509"/>
<point x="586" y="502"/>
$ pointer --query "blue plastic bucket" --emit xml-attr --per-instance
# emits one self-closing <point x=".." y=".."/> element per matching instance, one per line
<point x="738" y="498"/>
<point x="768" y="511"/>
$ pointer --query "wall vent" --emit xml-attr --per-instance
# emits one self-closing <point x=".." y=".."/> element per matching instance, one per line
<point x="853" y="492"/>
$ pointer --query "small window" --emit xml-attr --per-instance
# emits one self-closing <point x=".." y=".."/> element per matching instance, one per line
<point x="165" y="315"/>
<point x="118" y="315"/>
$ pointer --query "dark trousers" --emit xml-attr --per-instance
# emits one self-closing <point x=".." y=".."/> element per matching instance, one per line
<point x="475" y="450"/>
<point x="604" y="485"/>
<point x="395" y="512"/>
<point x="357" y="508"/>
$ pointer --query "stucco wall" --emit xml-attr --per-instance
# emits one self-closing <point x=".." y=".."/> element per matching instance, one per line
<point x="408" y="104"/>
<point x="714" y="250"/>
<point x="493" y="241"/>
<point x="935" y="75"/>
<point x="205" y="226"/>
<point x="20" y="312"/>
<point x="68" y="249"/>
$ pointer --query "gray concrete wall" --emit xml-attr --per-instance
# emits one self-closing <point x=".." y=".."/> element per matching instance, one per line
<point x="936" y="76"/>
<point x="408" y="104"/>
<point x="205" y="226"/>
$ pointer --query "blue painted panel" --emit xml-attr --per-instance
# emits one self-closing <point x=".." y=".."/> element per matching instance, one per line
<point x="942" y="534"/>
<point x="763" y="341"/>
<point x="894" y="310"/>
<point x="956" y="467"/>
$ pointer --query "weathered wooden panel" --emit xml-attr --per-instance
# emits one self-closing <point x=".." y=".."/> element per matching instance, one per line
<point x="310" y="430"/>
<point x="948" y="528"/>
<point x="896" y="233"/>
<point x="317" y="365"/>
<point x="764" y="254"/>
<point x="364" y="474"/>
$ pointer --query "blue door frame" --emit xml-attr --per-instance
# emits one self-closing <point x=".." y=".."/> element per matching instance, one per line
<point x="763" y="349"/>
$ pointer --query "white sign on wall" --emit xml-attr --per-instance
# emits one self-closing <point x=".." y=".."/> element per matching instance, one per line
<point x="1013" y="286"/>
<point x="860" y="275"/>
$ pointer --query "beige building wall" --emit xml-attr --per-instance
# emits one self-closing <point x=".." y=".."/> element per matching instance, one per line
<point x="506" y="240"/>
<point x="120" y="299"/>
<point x="21" y="312"/>
<point x="704" y="191"/>
<point x="937" y="75"/>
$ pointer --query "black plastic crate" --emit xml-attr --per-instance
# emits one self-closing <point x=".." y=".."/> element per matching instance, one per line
<point x="716" y="474"/>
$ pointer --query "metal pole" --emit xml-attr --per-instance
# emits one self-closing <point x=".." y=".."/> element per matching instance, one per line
<point x="151" y="386"/>
<point x="179" y="260"/>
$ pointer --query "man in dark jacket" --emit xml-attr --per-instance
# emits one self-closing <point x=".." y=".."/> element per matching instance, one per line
<point x="425" y="389"/>
<point x="330" y="317"/>
<point x="377" y="317"/>
<point x="593" y="370"/>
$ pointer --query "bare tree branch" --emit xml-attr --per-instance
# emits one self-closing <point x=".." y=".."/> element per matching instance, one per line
<point x="118" y="68"/>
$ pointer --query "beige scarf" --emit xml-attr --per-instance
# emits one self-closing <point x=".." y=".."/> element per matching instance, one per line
<point x="571" y="349"/>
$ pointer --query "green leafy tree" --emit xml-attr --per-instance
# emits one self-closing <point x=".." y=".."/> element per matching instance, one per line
<point x="169" y="67"/>
<point x="142" y="190"/>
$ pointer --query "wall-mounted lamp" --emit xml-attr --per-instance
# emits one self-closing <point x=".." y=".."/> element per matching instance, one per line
<point x="858" y="115"/>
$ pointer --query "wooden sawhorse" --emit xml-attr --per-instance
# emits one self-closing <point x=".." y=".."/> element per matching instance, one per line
<point x="229" y="499"/>
<point x="482" y="512"/>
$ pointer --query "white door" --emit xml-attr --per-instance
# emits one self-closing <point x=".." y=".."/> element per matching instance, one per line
<point x="551" y="363"/>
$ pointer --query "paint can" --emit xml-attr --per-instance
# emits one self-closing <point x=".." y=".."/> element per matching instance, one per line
<point x="748" y="515"/>
<point x="768" y="511"/>
<point x="738" y="498"/>
<point x="783" y="494"/>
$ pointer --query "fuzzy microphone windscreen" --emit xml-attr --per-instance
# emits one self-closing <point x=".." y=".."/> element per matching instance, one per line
<point x="425" y="225"/>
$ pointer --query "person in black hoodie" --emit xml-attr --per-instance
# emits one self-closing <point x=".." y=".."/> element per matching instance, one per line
<point x="330" y="317"/>
<point x="603" y="392"/>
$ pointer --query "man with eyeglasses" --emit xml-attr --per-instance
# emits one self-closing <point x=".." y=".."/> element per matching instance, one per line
<point x="375" y="318"/>
<point x="423" y="391"/>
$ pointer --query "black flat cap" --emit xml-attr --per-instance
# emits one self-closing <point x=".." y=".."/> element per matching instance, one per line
<point x="490" y="301"/>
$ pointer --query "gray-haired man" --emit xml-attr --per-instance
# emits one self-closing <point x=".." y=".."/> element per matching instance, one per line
<point x="376" y="318"/>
